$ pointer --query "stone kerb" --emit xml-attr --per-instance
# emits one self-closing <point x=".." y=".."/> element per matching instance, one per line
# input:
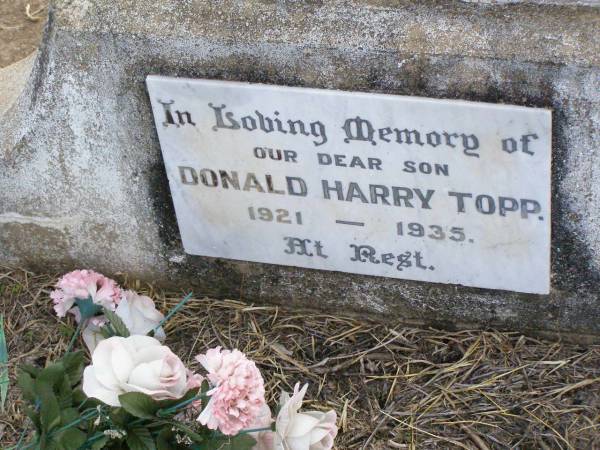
<point x="83" y="184"/>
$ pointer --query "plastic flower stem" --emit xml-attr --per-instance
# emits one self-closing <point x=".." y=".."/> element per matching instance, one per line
<point x="182" y="404"/>
<point x="142" y="420"/>
<point x="254" y="430"/>
<point x="76" y="335"/>
<point x="93" y="439"/>
<point x="173" y="311"/>
<point x="77" y="421"/>
<point x="249" y="430"/>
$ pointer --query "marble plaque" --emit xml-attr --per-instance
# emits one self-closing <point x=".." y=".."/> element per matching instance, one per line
<point x="420" y="189"/>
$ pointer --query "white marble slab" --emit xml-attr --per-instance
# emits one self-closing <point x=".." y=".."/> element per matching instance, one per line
<point x="432" y="190"/>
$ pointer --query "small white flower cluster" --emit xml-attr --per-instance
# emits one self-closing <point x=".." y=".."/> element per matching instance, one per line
<point x="115" y="434"/>
<point x="182" y="439"/>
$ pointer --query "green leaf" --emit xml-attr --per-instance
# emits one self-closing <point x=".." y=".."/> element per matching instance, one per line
<point x="34" y="416"/>
<point x="100" y="443"/>
<point x="116" y="323"/>
<point x="31" y="370"/>
<point x="25" y="382"/>
<point x="71" y="439"/>
<point x="87" y="308"/>
<point x="120" y="417"/>
<point x="47" y="443"/>
<point x="140" y="439"/>
<point x="49" y="409"/>
<point x="204" y="387"/>
<point x="166" y="440"/>
<point x="73" y="363"/>
<point x="64" y="393"/>
<point x="140" y="405"/>
<point x="53" y="375"/>
<point x="106" y="331"/>
<point x="68" y="416"/>
<point x="80" y="397"/>
<point x="3" y="365"/>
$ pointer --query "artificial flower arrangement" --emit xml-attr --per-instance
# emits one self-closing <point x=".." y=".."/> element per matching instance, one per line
<point x="137" y="394"/>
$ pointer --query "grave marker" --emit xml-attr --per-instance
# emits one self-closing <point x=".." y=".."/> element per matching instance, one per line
<point x="442" y="191"/>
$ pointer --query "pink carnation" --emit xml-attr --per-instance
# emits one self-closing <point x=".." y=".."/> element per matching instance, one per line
<point x="238" y="396"/>
<point x="83" y="284"/>
<point x="194" y="380"/>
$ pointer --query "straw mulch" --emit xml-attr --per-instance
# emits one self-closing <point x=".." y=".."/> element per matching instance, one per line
<point x="392" y="387"/>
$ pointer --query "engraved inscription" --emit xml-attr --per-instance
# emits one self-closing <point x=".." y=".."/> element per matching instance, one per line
<point x="419" y="189"/>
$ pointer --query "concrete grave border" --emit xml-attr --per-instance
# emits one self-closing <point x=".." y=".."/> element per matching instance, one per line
<point x="82" y="182"/>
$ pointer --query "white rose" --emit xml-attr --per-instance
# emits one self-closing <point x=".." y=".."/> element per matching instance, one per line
<point x="310" y="430"/>
<point x="265" y="439"/>
<point x="137" y="312"/>
<point x="140" y="315"/>
<point x="134" y="364"/>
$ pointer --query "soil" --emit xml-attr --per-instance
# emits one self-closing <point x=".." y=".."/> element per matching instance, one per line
<point x="21" y="26"/>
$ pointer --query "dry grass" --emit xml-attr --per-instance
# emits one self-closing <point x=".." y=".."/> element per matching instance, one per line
<point x="392" y="387"/>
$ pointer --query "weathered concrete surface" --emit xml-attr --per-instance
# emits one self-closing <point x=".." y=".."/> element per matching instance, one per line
<point x="81" y="177"/>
